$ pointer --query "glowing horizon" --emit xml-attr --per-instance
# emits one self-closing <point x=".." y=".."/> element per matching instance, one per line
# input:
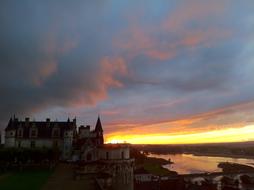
<point x="241" y="134"/>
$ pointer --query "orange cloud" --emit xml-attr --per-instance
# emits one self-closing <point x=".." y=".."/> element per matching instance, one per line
<point x="161" y="55"/>
<point x="217" y="124"/>
<point x="51" y="47"/>
<point x="111" y="67"/>
<point x="45" y="70"/>
<point x="147" y="40"/>
<point x="197" y="10"/>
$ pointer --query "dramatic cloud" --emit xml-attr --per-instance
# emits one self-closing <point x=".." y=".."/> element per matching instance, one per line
<point x="145" y="66"/>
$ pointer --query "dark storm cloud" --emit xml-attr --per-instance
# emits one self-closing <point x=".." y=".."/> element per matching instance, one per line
<point x="125" y="59"/>
<point x="50" y="56"/>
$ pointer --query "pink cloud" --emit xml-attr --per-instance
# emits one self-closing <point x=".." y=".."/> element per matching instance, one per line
<point x="197" y="10"/>
<point x="231" y="116"/>
<point x="139" y="39"/>
<point x="111" y="67"/>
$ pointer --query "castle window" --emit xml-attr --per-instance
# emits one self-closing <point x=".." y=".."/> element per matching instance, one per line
<point x="33" y="133"/>
<point x="56" y="133"/>
<point x="107" y="155"/>
<point x="32" y="145"/>
<point x="55" y="144"/>
<point x="19" y="144"/>
<point x="122" y="155"/>
<point x="20" y="133"/>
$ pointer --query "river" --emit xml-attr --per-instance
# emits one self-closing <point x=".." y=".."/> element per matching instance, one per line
<point x="189" y="163"/>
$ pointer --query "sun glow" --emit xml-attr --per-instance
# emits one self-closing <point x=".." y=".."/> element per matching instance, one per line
<point x="115" y="141"/>
<point x="224" y="135"/>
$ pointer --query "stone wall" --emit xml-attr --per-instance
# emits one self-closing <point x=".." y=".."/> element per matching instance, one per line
<point x="39" y="143"/>
<point x="114" y="153"/>
<point x="120" y="170"/>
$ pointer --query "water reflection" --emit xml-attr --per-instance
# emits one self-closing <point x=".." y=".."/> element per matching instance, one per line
<point x="188" y="163"/>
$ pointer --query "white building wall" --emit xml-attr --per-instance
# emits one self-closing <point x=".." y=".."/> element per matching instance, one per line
<point x="9" y="142"/>
<point x="39" y="143"/>
<point x="114" y="153"/>
<point x="143" y="177"/>
<point x="84" y="133"/>
<point x="67" y="144"/>
<point x="10" y="138"/>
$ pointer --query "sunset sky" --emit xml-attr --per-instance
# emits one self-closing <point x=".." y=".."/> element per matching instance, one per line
<point x="157" y="71"/>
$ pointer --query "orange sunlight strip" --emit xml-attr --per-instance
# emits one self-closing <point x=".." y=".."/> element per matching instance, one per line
<point x="225" y="135"/>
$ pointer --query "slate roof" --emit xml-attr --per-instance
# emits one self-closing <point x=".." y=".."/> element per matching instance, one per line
<point x="44" y="127"/>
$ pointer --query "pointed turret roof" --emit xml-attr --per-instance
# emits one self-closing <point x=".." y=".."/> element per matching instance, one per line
<point x="10" y="125"/>
<point x="98" y="126"/>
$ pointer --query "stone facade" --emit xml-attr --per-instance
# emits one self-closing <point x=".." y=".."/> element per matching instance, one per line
<point x="41" y="134"/>
<point x="54" y="134"/>
<point x="114" y="161"/>
<point x="114" y="152"/>
<point x="117" y="162"/>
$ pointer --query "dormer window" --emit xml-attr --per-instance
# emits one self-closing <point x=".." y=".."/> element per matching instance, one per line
<point x="33" y="133"/>
<point x="20" y="132"/>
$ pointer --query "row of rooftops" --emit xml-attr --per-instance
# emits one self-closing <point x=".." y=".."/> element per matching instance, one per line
<point x="45" y="128"/>
<point x="15" y="123"/>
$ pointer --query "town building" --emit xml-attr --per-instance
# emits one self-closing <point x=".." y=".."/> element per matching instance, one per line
<point x="142" y="175"/>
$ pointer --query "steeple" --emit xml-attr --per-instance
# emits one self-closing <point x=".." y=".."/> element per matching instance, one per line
<point x="99" y="132"/>
<point x="10" y="122"/>
<point x="98" y="126"/>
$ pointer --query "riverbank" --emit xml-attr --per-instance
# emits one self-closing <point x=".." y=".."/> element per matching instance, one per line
<point x="234" y="167"/>
<point x="225" y="155"/>
<point x="154" y="166"/>
<point x="191" y="164"/>
<point x="243" y="150"/>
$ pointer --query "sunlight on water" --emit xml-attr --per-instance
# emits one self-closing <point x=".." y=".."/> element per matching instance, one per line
<point x="188" y="163"/>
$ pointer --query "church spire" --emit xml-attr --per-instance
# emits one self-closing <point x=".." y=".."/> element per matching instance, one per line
<point x="98" y="126"/>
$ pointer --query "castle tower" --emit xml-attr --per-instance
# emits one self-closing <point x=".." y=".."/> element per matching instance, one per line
<point x="10" y="133"/>
<point x="99" y="132"/>
<point x="117" y="162"/>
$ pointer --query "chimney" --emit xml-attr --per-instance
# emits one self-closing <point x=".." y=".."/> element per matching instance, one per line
<point x="15" y="119"/>
<point x="47" y="122"/>
<point x="74" y="121"/>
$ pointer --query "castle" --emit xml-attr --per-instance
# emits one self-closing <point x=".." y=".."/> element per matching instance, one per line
<point x="41" y="134"/>
<point x="76" y="144"/>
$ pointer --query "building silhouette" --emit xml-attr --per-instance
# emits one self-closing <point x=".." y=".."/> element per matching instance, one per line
<point x="79" y="144"/>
